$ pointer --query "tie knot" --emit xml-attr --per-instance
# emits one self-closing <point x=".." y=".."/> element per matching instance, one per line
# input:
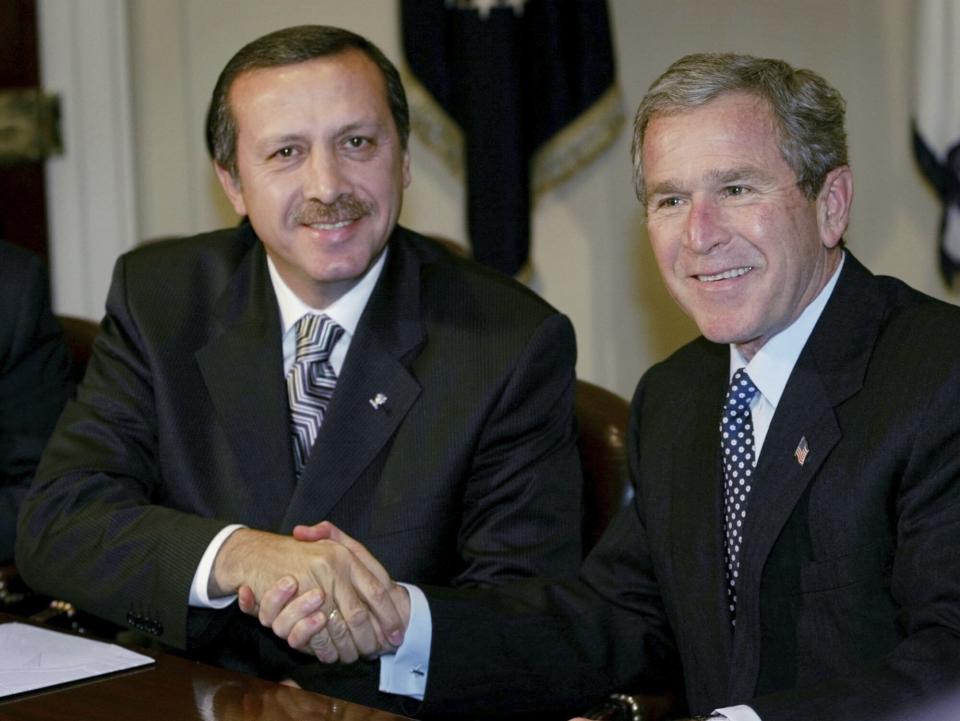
<point x="316" y="337"/>
<point x="741" y="391"/>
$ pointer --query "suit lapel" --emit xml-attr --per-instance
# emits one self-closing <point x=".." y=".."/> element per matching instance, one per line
<point x="374" y="391"/>
<point x="242" y="367"/>
<point x="830" y="369"/>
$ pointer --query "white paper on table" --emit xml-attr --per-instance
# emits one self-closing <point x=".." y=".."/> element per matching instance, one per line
<point x="33" y="658"/>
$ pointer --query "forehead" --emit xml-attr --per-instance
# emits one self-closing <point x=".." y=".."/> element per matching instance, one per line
<point x="348" y="80"/>
<point x="735" y="129"/>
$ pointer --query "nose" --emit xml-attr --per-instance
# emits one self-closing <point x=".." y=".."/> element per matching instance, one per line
<point x="324" y="178"/>
<point x="706" y="227"/>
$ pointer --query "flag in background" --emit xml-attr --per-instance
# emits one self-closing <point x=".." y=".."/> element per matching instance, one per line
<point x="520" y="93"/>
<point x="936" y="121"/>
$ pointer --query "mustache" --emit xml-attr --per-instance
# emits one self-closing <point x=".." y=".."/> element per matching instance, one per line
<point x="346" y="207"/>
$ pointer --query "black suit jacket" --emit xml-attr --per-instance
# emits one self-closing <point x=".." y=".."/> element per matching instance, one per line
<point x="466" y="475"/>
<point x="849" y="586"/>
<point x="35" y="379"/>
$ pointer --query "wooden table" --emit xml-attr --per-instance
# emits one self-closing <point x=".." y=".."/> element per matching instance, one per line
<point x="175" y="689"/>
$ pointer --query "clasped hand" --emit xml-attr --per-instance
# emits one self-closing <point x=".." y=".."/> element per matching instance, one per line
<point x="320" y="590"/>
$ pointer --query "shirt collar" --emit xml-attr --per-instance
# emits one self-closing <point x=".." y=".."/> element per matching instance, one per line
<point x="346" y="310"/>
<point x="772" y="364"/>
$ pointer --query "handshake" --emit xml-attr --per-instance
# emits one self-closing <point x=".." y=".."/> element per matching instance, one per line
<point x="318" y="589"/>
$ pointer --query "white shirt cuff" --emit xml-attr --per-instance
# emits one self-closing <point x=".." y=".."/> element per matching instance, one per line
<point x="201" y="579"/>
<point x="405" y="672"/>
<point x="738" y="713"/>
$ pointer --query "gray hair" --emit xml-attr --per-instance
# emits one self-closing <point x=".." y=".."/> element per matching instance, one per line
<point x="287" y="47"/>
<point x="807" y="111"/>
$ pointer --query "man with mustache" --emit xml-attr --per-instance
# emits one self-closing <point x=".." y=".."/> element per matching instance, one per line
<point x="319" y="362"/>
<point x="793" y="549"/>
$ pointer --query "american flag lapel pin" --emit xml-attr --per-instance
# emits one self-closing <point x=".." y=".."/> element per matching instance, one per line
<point x="802" y="450"/>
<point x="377" y="401"/>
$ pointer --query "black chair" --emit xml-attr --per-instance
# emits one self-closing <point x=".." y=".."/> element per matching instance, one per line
<point x="79" y="333"/>
<point x="602" y="420"/>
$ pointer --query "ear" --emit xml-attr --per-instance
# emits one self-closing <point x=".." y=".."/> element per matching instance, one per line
<point x="406" y="168"/>
<point x="833" y="205"/>
<point x="231" y="186"/>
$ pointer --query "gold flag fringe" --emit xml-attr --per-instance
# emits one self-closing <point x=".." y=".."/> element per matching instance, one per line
<point x="433" y="126"/>
<point x="562" y="156"/>
<point x="578" y="142"/>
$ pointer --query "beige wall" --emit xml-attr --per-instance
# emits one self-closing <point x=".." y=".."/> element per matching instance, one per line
<point x="590" y="249"/>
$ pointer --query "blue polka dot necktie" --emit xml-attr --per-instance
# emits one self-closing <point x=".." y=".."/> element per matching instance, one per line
<point x="739" y="459"/>
<point x="310" y="383"/>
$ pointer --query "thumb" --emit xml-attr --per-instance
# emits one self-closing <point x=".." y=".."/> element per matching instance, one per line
<point x="317" y="532"/>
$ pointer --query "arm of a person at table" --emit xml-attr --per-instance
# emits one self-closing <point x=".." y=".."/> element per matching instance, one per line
<point x="92" y="528"/>
<point x="35" y="381"/>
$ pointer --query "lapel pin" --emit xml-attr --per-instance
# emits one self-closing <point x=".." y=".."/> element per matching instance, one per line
<point x="377" y="401"/>
<point x="802" y="450"/>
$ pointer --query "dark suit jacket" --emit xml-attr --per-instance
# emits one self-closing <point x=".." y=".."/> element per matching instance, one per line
<point x="467" y="475"/>
<point x="34" y="379"/>
<point x="849" y="586"/>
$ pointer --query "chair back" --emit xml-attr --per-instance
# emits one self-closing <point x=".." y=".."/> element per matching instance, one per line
<point x="79" y="333"/>
<point x="602" y="420"/>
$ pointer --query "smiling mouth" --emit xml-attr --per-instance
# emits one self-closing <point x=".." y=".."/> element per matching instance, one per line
<point x="725" y="275"/>
<point x="332" y="226"/>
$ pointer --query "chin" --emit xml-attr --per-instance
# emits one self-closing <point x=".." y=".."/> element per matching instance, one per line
<point x="339" y="272"/>
<point x="724" y="335"/>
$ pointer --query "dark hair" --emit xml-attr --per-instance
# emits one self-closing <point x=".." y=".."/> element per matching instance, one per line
<point x="288" y="47"/>
<point x="807" y="111"/>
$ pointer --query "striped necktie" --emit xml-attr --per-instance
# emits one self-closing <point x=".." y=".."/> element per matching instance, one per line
<point x="310" y="383"/>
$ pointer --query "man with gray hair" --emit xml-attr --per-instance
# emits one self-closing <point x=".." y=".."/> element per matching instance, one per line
<point x="793" y="549"/>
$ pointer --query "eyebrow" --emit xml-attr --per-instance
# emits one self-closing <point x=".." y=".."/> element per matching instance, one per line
<point x="722" y="176"/>
<point x="360" y="125"/>
<point x="295" y="137"/>
<point x="271" y="142"/>
<point x="733" y="175"/>
<point x="665" y="187"/>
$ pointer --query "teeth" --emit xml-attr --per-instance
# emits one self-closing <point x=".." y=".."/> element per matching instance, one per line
<point x="733" y="273"/>
<point x="331" y="226"/>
